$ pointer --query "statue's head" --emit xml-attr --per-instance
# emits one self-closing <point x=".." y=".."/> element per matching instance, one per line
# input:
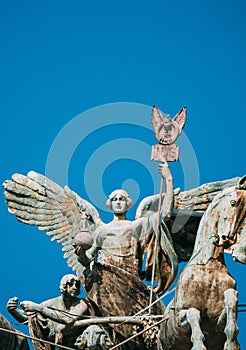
<point x="70" y="284"/>
<point x="119" y="201"/>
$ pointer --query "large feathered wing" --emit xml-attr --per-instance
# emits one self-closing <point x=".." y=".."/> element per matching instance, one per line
<point x="189" y="206"/>
<point x="36" y="200"/>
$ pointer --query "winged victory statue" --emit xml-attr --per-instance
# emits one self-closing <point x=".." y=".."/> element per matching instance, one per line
<point x="115" y="257"/>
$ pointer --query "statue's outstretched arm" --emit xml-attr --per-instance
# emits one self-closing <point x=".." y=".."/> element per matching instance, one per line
<point x="163" y="253"/>
<point x="168" y="200"/>
<point x="18" y="314"/>
<point x="55" y="315"/>
<point x="150" y="204"/>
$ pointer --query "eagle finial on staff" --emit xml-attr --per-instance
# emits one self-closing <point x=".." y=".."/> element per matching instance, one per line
<point x="167" y="130"/>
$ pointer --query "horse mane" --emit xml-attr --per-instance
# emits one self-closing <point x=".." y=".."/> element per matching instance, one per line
<point x="208" y="227"/>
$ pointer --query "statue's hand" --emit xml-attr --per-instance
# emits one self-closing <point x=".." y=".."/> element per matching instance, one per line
<point x="165" y="171"/>
<point x="29" y="307"/>
<point x="79" y="251"/>
<point x="12" y="304"/>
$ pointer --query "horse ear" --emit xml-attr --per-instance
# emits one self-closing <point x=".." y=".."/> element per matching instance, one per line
<point x="242" y="183"/>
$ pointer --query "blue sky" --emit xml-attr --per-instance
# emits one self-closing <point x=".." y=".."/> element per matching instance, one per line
<point x="60" y="59"/>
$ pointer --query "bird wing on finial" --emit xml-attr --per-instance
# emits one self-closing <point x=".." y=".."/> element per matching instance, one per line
<point x="36" y="200"/>
<point x="157" y="120"/>
<point x="180" y="118"/>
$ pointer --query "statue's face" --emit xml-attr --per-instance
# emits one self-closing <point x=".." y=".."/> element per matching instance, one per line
<point x="119" y="204"/>
<point x="72" y="288"/>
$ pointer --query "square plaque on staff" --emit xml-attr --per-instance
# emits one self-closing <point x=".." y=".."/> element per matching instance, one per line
<point x="168" y="153"/>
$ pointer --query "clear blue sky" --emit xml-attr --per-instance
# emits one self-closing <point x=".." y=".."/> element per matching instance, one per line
<point x="61" y="58"/>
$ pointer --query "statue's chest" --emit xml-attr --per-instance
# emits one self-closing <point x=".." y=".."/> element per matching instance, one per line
<point x="117" y="238"/>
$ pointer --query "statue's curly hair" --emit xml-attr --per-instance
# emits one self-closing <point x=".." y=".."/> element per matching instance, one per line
<point x="121" y="193"/>
<point x="66" y="279"/>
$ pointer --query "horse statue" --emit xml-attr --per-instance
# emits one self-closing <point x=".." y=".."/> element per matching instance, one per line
<point x="11" y="341"/>
<point x="203" y="313"/>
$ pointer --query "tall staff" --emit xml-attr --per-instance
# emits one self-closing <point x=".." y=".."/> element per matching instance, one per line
<point x="166" y="132"/>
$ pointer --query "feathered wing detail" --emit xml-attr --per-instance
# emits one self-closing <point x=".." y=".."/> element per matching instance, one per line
<point x="36" y="200"/>
<point x="199" y="198"/>
<point x="196" y="199"/>
<point x="180" y="118"/>
<point x="149" y="204"/>
<point x="189" y="207"/>
<point x="157" y="120"/>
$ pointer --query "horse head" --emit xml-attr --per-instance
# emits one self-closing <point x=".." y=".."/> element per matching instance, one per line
<point x="93" y="338"/>
<point x="232" y="222"/>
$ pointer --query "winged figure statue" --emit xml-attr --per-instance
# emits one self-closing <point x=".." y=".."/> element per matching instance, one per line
<point x="111" y="270"/>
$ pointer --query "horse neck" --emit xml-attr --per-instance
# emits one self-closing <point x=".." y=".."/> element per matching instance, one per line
<point x="204" y="248"/>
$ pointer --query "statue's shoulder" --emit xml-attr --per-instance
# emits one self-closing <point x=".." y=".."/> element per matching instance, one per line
<point x="119" y="225"/>
<point x="52" y="302"/>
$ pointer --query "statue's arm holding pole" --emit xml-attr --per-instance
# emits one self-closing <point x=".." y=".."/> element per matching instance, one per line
<point x="55" y="315"/>
<point x="166" y="132"/>
<point x="167" y="204"/>
<point x="164" y="213"/>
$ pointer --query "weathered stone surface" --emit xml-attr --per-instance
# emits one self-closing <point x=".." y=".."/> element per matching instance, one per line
<point x="204" y="308"/>
<point x="112" y="269"/>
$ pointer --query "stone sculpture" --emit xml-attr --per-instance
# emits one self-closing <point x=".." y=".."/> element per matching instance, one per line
<point x="166" y="132"/>
<point x="112" y="260"/>
<point x="53" y="320"/>
<point x="36" y="200"/>
<point x="203" y="312"/>
<point x="94" y="337"/>
<point x="119" y="246"/>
